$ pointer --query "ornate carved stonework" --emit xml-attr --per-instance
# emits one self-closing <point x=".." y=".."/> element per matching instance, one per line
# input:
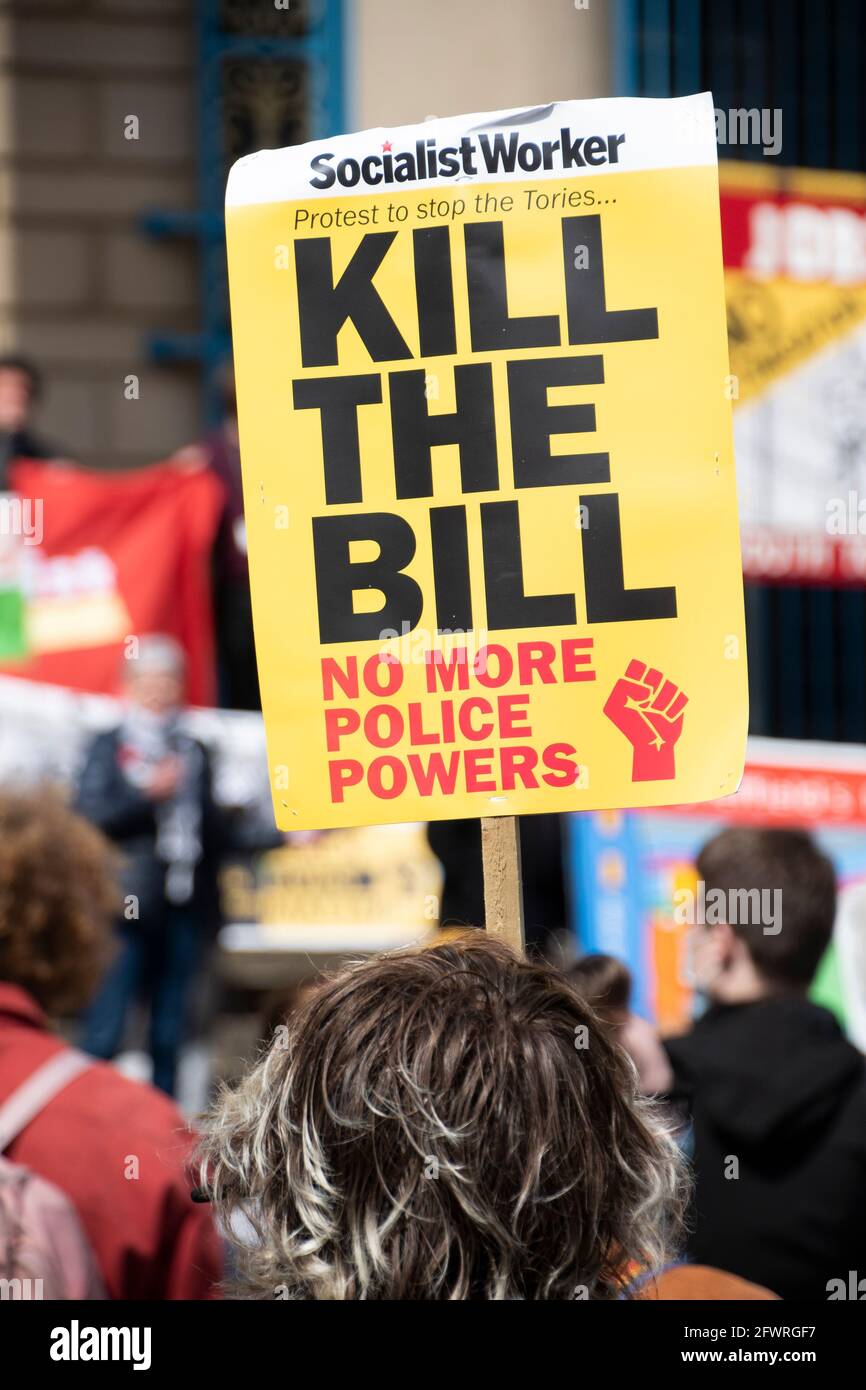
<point x="264" y="105"/>
<point x="265" y="18"/>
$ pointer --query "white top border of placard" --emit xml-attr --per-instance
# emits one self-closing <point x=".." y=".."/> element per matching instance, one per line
<point x="559" y="141"/>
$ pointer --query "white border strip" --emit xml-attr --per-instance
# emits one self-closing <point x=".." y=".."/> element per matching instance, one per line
<point x="671" y="133"/>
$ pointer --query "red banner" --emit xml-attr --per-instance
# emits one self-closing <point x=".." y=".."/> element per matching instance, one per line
<point x="112" y="556"/>
<point x="802" y="794"/>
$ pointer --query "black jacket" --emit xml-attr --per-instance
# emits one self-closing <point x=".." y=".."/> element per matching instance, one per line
<point x="108" y="799"/>
<point x="776" y="1086"/>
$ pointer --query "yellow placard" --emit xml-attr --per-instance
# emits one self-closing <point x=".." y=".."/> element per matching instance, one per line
<point x="488" y="469"/>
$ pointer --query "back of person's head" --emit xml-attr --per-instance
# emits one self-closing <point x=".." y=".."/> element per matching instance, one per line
<point x="604" y="982"/>
<point x="13" y="364"/>
<point x="158" y="651"/>
<point x="781" y="891"/>
<point x="57" y="896"/>
<point x="448" y="1123"/>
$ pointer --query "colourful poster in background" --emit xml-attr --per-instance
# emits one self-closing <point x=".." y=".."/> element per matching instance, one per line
<point x="118" y="555"/>
<point x="488" y="473"/>
<point x="373" y="876"/>
<point x="795" y="277"/>
<point x="626" y="870"/>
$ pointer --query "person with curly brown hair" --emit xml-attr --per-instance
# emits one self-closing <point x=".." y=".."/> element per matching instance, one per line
<point x="116" y="1148"/>
<point x="443" y="1123"/>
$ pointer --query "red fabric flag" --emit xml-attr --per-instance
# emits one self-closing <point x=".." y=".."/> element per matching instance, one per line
<point x="114" y="556"/>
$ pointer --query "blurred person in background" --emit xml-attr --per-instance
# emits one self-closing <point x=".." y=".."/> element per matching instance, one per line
<point x="776" y="1092"/>
<point x="442" y="1123"/>
<point x="147" y="785"/>
<point x="236" y="652"/>
<point x="605" y="983"/>
<point x="20" y="387"/>
<point x="117" y="1149"/>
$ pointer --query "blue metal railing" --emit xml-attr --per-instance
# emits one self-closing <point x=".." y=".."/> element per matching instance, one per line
<point x="319" y="53"/>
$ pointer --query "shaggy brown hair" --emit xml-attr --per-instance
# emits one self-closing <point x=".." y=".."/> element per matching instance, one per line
<point x="604" y="982"/>
<point x="751" y="860"/>
<point x="448" y="1123"/>
<point x="57" y="897"/>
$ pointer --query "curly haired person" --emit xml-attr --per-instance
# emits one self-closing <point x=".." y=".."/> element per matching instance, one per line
<point x="443" y="1123"/>
<point x="115" y="1148"/>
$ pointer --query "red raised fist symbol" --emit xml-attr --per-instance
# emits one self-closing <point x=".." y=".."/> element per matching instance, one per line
<point x="649" y="710"/>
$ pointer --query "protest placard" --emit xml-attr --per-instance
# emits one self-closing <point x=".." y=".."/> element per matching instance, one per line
<point x="489" y="483"/>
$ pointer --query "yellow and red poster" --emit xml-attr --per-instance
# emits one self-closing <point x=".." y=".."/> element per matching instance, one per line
<point x="488" y="471"/>
<point x="795" y="274"/>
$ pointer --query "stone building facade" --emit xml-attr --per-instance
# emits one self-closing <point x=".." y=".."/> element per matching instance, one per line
<point x="82" y="286"/>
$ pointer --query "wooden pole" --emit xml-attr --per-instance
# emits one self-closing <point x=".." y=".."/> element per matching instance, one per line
<point x="503" y="878"/>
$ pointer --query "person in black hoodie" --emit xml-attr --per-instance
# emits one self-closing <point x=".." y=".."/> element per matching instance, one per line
<point x="777" y="1094"/>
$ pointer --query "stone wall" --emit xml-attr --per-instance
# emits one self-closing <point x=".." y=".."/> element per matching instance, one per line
<point x="418" y="59"/>
<point x="80" y="286"/>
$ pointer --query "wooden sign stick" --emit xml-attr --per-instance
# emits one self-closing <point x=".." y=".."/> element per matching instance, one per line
<point x="503" y="878"/>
